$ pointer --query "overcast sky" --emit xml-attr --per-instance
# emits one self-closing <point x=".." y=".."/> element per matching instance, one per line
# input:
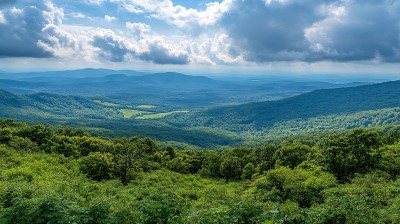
<point x="298" y="36"/>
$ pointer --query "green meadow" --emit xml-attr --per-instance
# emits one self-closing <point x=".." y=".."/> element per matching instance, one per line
<point x="146" y="106"/>
<point x="159" y="115"/>
<point x="128" y="113"/>
<point x="108" y="104"/>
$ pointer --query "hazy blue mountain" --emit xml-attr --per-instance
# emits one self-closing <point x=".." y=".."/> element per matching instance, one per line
<point x="167" y="90"/>
<point x="79" y="73"/>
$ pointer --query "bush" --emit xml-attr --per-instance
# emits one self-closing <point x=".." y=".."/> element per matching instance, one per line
<point x="356" y="152"/>
<point x="97" y="166"/>
<point x="301" y="186"/>
<point x="292" y="154"/>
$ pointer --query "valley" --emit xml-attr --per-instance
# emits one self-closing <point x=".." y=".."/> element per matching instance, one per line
<point x="103" y="103"/>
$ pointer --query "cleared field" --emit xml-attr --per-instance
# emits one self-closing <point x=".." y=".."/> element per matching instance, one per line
<point x="108" y="104"/>
<point x="145" y="106"/>
<point x="128" y="113"/>
<point x="159" y="115"/>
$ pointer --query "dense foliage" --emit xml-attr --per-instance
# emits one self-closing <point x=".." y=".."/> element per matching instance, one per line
<point x="62" y="175"/>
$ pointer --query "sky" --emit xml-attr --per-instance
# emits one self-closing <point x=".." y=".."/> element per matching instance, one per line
<point x="281" y="36"/>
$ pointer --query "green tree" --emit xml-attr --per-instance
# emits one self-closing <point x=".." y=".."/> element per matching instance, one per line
<point x="230" y="168"/>
<point x="97" y="166"/>
<point x="292" y="154"/>
<point x="124" y="160"/>
<point x="356" y="152"/>
<point x="390" y="161"/>
<point x="302" y="186"/>
<point x="61" y="144"/>
<point x="5" y="135"/>
<point x="171" y="152"/>
<point x="248" y="171"/>
<point x="264" y="156"/>
<point x="23" y="144"/>
<point x="37" y="133"/>
<point x="178" y="165"/>
<point x="211" y="165"/>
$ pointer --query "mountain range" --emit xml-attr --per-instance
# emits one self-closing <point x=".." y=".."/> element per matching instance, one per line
<point x="144" y="104"/>
<point x="170" y="90"/>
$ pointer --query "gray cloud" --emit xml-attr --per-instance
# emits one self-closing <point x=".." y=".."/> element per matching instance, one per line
<point x="271" y="32"/>
<point x="368" y="29"/>
<point x="31" y="31"/>
<point x="117" y="49"/>
<point x="160" y="55"/>
<point x="113" y="47"/>
<point x="315" y="30"/>
<point x="21" y="31"/>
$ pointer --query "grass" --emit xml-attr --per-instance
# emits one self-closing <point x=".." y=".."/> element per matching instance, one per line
<point x="128" y="113"/>
<point x="145" y="106"/>
<point x="108" y="104"/>
<point x="159" y="115"/>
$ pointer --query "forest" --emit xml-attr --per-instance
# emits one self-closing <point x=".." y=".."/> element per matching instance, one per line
<point x="64" y="175"/>
<point x="226" y="125"/>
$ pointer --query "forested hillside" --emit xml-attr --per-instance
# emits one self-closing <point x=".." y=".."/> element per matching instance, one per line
<point x="45" y="105"/>
<point x="50" y="175"/>
<point x="102" y="119"/>
<point x="314" y="105"/>
<point x="320" y="110"/>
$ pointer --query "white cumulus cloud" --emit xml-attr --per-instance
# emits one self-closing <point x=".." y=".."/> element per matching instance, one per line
<point x="109" y="18"/>
<point x="138" y="29"/>
<point x="176" y="14"/>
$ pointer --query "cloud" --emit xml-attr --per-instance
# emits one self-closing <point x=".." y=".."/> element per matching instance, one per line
<point x="112" y="47"/>
<point x="177" y="15"/>
<point x="94" y="2"/>
<point x="160" y="54"/>
<point x="138" y="29"/>
<point x="315" y="30"/>
<point x="357" y="30"/>
<point x="77" y="15"/>
<point x="156" y="49"/>
<point x="271" y="30"/>
<point x="35" y="31"/>
<point x="109" y="19"/>
<point x="2" y="18"/>
<point x="221" y="32"/>
<point x="217" y="49"/>
<point x="22" y="30"/>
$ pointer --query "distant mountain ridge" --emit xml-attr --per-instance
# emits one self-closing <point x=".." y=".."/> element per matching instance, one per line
<point x="78" y="73"/>
<point x="170" y="90"/>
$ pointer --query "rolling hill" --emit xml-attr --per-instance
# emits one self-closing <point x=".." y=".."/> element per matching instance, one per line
<point x="318" y="103"/>
<point x="98" y="119"/>
<point x="102" y="113"/>
<point x="46" y="105"/>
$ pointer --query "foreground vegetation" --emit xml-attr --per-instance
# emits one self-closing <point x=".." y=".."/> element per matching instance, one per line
<point x="62" y="175"/>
